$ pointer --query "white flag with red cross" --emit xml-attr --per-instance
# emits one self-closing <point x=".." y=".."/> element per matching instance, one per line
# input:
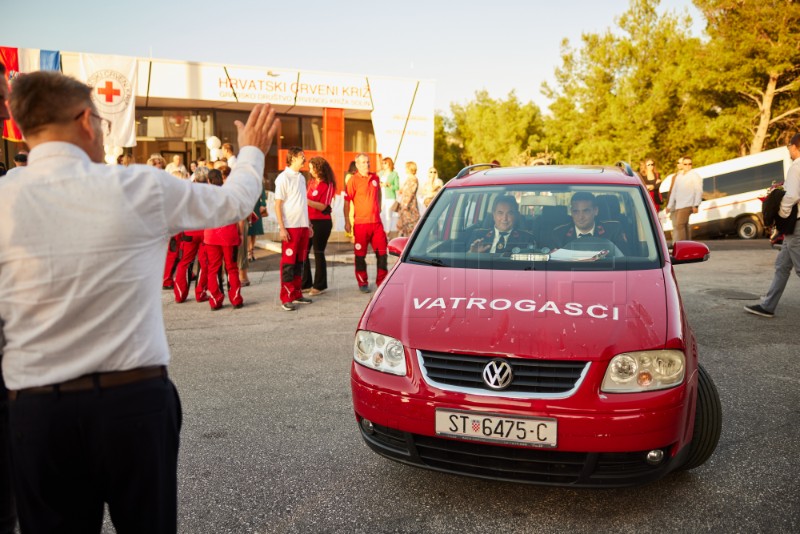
<point x="113" y="83"/>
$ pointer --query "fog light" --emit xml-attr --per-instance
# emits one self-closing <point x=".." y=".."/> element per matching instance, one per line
<point x="367" y="427"/>
<point x="654" y="457"/>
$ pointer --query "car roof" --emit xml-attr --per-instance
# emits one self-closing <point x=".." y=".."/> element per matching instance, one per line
<point x="546" y="174"/>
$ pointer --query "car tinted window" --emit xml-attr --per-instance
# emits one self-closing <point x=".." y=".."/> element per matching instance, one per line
<point x="523" y="227"/>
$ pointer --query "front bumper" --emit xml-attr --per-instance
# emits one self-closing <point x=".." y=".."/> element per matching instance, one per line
<point x="602" y="439"/>
<point x="519" y="464"/>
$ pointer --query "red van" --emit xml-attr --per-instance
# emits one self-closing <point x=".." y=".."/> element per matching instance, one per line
<point x="532" y="330"/>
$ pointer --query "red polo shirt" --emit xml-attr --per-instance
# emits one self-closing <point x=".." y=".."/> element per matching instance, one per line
<point x="365" y="193"/>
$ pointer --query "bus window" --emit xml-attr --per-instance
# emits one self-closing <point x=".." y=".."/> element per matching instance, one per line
<point x="742" y="181"/>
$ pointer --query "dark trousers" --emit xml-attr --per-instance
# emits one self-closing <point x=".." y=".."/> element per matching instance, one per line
<point x="322" y="232"/>
<point x="8" y="516"/>
<point x="74" y="451"/>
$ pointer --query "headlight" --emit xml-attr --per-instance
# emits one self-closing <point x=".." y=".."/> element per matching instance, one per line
<point x="632" y="372"/>
<point x="379" y="352"/>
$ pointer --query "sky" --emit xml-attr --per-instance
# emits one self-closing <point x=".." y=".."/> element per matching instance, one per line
<point x="463" y="45"/>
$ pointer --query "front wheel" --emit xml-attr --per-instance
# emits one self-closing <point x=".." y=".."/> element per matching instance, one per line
<point x="749" y="228"/>
<point x="707" y="421"/>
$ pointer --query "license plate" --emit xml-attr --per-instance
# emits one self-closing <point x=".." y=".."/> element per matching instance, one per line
<point x="530" y="431"/>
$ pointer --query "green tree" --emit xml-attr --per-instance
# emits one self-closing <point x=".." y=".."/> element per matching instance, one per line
<point x="628" y="94"/>
<point x="490" y="129"/>
<point x="447" y="151"/>
<point x="752" y="63"/>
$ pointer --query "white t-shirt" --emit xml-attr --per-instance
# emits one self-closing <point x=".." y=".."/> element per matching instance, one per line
<point x="290" y="187"/>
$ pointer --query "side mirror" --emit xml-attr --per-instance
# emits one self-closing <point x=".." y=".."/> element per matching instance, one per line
<point x="689" y="252"/>
<point x="397" y="245"/>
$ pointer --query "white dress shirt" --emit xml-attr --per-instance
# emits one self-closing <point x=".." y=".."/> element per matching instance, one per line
<point x="687" y="192"/>
<point x="82" y="251"/>
<point x="792" y="187"/>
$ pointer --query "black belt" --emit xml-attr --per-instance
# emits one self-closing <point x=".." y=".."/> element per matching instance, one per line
<point x="110" y="379"/>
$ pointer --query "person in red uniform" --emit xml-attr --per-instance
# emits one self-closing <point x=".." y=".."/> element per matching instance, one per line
<point x="363" y="191"/>
<point x="220" y="245"/>
<point x="191" y="247"/>
<point x="291" y="210"/>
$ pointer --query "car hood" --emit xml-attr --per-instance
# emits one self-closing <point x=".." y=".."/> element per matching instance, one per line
<point x="589" y="315"/>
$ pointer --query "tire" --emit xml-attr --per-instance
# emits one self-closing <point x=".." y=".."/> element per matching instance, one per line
<point x="707" y="422"/>
<point x="749" y="228"/>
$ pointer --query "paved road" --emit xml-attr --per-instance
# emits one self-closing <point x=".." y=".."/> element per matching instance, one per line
<point x="269" y="442"/>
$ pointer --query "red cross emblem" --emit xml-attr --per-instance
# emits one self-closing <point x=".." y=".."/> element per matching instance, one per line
<point x="108" y="91"/>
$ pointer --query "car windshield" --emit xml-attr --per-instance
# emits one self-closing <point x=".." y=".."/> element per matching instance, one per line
<point x="542" y="226"/>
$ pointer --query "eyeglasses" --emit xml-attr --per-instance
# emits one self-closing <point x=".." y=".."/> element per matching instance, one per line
<point x="105" y="124"/>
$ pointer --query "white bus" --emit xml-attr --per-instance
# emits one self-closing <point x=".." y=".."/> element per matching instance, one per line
<point x="731" y="194"/>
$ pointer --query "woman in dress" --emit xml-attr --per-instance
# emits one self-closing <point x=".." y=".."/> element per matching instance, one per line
<point x="409" y="211"/>
<point x="431" y="186"/>
<point x="320" y="191"/>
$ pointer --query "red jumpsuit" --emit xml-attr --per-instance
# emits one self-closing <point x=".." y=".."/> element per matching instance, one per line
<point x="191" y="247"/>
<point x="220" y="245"/>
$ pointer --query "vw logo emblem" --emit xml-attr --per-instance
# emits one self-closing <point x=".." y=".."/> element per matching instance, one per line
<point x="498" y="374"/>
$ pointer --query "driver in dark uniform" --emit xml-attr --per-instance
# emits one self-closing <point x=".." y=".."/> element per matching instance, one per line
<point x="583" y="209"/>
<point x="504" y="238"/>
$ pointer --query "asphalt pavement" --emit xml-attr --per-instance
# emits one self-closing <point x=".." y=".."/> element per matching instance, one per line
<point x="270" y="444"/>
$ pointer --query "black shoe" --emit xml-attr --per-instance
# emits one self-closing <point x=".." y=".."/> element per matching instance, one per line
<point x="238" y="306"/>
<point x="363" y="289"/>
<point x="756" y="309"/>
<point x="288" y="306"/>
<point x="302" y="300"/>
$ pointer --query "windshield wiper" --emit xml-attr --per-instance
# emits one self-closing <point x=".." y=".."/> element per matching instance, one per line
<point x="434" y="261"/>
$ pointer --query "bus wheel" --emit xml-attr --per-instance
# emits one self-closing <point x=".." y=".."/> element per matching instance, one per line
<point x="749" y="227"/>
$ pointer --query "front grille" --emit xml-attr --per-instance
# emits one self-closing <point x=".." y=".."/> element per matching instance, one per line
<point x="530" y="376"/>
<point x="516" y="464"/>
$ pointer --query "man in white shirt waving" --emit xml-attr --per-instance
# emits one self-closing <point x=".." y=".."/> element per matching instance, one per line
<point x="685" y="197"/>
<point x="789" y="256"/>
<point x="94" y="417"/>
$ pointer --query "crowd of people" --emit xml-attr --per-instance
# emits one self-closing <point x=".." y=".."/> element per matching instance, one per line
<point x="213" y="258"/>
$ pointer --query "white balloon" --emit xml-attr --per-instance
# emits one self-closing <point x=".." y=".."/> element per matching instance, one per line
<point x="216" y="153"/>
<point x="213" y="142"/>
<point x="117" y="151"/>
<point x="111" y="159"/>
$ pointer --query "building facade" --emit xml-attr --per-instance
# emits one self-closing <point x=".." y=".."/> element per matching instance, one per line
<point x="174" y="108"/>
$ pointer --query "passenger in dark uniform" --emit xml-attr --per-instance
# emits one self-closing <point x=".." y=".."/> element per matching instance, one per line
<point x="583" y="209"/>
<point x="504" y="237"/>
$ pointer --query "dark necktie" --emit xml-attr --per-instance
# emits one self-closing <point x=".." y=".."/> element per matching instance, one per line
<point x="501" y="243"/>
<point x="584" y="235"/>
